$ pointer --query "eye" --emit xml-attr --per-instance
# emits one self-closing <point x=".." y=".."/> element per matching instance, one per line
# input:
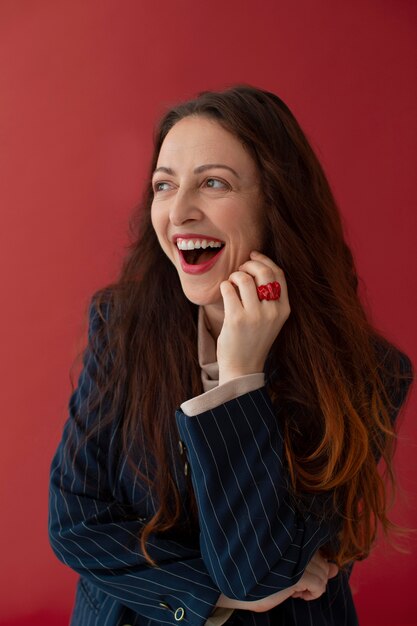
<point x="216" y="183"/>
<point x="161" y="186"/>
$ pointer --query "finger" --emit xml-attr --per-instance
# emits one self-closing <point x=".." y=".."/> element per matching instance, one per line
<point x="258" y="256"/>
<point x="231" y="301"/>
<point x="319" y="566"/>
<point x="307" y="596"/>
<point x="266" y="273"/>
<point x="309" y="585"/>
<point x="316" y="578"/>
<point x="260" y="271"/>
<point x="323" y="563"/>
<point x="247" y="289"/>
<point x="265" y="262"/>
<point x="316" y="586"/>
<point x="333" y="570"/>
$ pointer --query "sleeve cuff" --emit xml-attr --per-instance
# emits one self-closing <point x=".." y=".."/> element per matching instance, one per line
<point x="223" y="393"/>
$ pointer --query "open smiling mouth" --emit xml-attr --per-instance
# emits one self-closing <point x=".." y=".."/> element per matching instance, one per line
<point x="200" y="254"/>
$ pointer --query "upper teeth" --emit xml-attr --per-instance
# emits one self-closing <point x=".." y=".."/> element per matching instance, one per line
<point x="192" y="244"/>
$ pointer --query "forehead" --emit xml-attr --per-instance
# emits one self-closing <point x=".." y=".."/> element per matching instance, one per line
<point x="196" y="140"/>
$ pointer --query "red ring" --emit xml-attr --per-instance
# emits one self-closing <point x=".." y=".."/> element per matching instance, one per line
<point x="270" y="291"/>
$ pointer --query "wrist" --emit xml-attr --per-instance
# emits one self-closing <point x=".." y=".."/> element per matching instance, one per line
<point x="228" y="373"/>
<point x="228" y="376"/>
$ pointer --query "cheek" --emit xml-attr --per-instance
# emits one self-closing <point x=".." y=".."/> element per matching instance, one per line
<point x="253" y="229"/>
<point x="159" y="226"/>
<point x="259" y="227"/>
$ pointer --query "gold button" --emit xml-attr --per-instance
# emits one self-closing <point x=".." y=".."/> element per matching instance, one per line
<point x="181" y="447"/>
<point x="186" y="468"/>
<point x="164" y="605"/>
<point x="179" y="614"/>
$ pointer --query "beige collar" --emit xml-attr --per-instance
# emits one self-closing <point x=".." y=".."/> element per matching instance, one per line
<point x="207" y="353"/>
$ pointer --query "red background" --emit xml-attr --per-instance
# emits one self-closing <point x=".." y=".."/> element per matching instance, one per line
<point x="82" y="83"/>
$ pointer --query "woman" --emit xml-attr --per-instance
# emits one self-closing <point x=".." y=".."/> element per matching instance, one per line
<point x="237" y="303"/>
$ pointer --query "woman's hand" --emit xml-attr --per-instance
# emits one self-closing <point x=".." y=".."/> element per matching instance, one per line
<point x="312" y="583"/>
<point x="250" y="326"/>
<point x="311" y="586"/>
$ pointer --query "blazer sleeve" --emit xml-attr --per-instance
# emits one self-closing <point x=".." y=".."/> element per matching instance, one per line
<point x="97" y="535"/>
<point x="253" y="540"/>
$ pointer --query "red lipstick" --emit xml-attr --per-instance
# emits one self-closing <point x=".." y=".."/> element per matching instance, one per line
<point x="198" y="268"/>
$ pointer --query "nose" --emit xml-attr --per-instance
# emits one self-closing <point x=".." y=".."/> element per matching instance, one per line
<point x="184" y="208"/>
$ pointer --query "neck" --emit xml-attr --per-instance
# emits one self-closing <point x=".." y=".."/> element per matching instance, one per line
<point x="214" y="314"/>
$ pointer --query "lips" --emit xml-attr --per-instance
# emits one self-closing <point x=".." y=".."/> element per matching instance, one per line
<point x="199" y="268"/>
<point x="198" y="253"/>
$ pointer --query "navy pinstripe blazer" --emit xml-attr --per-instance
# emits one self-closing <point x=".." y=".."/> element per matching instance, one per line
<point x="252" y="541"/>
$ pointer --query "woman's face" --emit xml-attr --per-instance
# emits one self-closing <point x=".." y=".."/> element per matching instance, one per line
<point x="207" y="206"/>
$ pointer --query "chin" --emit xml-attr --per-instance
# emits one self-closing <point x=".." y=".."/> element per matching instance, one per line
<point x="203" y="297"/>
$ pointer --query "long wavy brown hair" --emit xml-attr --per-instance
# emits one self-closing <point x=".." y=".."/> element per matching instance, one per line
<point x="338" y="382"/>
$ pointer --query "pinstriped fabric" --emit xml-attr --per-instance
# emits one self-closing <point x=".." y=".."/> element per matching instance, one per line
<point x="252" y="540"/>
<point x="94" y="530"/>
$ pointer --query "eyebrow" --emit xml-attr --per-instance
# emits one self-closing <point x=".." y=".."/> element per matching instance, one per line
<point x="199" y="169"/>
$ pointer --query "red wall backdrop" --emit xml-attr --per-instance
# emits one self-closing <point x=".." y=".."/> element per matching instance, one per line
<point x="82" y="83"/>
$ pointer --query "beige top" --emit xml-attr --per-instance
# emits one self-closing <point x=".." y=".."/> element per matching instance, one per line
<point x="215" y="394"/>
